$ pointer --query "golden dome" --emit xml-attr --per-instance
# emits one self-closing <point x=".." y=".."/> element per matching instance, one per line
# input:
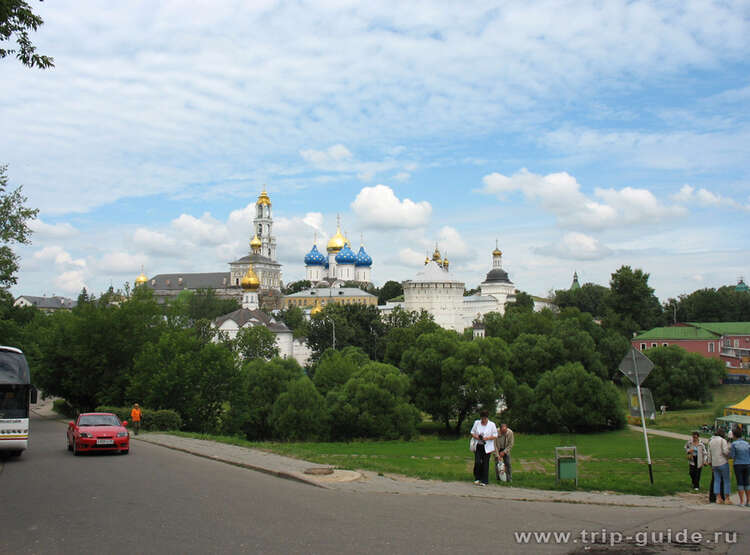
<point x="250" y="281"/>
<point x="255" y="243"/>
<point x="445" y="263"/>
<point x="263" y="198"/>
<point x="497" y="252"/>
<point x="426" y="260"/>
<point x="337" y="242"/>
<point x="141" y="279"/>
<point x="436" y="255"/>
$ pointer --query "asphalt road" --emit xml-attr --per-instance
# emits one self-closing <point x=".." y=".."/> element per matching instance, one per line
<point x="156" y="500"/>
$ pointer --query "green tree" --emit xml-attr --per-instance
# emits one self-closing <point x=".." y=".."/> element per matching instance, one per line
<point x="184" y="373"/>
<point x="589" y="298"/>
<point x="352" y="324"/>
<point x="570" y="399"/>
<point x="295" y="320"/>
<point x="300" y="413"/>
<point x="14" y="218"/>
<point x="256" y="342"/>
<point x="452" y="378"/>
<point x="373" y="404"/>
<point x="251" y="402"/>
<point x="632" y="305"/>
<point x="523" y="302"/>
<point x="16" y="20"/>
<point x="390" y="290"/>
<point x="335" y="368"/>
<point x="679" y="376"/>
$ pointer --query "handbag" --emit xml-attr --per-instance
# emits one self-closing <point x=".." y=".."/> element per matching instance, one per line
<point x="473" y="445"/>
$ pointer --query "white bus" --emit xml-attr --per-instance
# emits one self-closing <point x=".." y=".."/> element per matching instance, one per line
<point x="16" y="393"/>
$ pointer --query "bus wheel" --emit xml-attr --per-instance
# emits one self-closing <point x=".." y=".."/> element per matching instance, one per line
<point x="16" y="453"/>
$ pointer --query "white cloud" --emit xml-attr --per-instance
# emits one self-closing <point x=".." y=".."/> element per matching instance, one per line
<point x="689" y="195"/>
<point x="452" y="245"/>
<point x="314" y="220"/>
<point x="44" y="230"/>
<point x="119" y="263"/>
<point x="59" y="256"/>
<point x="560" y="195"/>
<point x="155" y="242"/>
<point x="576" y="246"/>
<point x="410" y="257"/>
<point x="335" y="153"/>
<point x="402" y="176"/>
<point x="71" y="282"/>
<point x="202" y="231"/>
<point x="378" y="207"/>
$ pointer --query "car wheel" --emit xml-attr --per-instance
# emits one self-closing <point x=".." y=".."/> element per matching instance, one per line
<point x="70" y="447"/>
<point x="125" y="451"/>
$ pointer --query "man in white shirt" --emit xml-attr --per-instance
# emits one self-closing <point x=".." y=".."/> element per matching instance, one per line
<point x="484" y="433"/>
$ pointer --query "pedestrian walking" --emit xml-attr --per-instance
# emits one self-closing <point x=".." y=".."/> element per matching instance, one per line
<point x="483" y="436"/>
<point x="503" y="445"/>
<point x="739" y="452"/>
<point x="697" y="457"/>
<point x="135" y="418"/>
<point x="719" y="452"/>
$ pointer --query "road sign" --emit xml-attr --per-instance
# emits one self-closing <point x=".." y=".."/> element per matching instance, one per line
<point x="636" y="366"/>
<point x="649" y="410"/>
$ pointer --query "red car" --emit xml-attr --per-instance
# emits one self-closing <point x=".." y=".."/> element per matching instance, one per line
<point x="98" y="431"/>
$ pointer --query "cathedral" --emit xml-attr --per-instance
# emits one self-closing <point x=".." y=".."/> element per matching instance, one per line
<point x="340" y="264"/>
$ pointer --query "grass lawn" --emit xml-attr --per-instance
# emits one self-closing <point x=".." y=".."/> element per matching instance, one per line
<point x="612" y="461"/>
<point x="689" y="419"/>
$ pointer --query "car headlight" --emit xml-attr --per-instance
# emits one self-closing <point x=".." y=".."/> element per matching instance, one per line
<point x="86" y="434"/>
<point x="122" y="434"/>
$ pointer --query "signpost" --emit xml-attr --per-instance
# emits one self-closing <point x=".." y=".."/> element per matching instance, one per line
<point x="636" y="366"/>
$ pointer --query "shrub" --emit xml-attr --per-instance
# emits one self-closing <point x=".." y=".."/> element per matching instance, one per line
<point x="151" y="420"/>
<point x="300" y="412"/>
<point x="61" y="406"/>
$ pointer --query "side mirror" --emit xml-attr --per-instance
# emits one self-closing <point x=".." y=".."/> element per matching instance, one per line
<point x="71" y="424"/>
<point x="125" y="423"/>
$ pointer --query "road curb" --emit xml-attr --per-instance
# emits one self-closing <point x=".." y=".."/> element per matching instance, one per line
<point x="278" y="473"/>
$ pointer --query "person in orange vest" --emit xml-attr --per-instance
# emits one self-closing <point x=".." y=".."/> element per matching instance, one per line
<point x="135" y="418"/>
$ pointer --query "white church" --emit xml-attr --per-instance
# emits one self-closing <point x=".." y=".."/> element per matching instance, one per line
<point x="437" y="291"/>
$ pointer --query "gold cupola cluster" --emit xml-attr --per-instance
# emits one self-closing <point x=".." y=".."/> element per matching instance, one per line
<point x="437" y="259"/>
<point x="263" y="199"/>
<point x="250" y="281"/>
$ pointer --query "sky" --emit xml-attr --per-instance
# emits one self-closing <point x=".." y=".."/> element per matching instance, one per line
<point x="579" y="136"/>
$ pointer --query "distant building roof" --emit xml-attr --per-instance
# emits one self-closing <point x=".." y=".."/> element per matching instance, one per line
<point x="51" y="303"/>
<point x="324" y="292"/>
<point x="433" y="273"/>
<point x="243" y="315"/>
<point x="209" y="280"/>
<point x="256" y="259"/>
<point x="497" y="275"/>
<point x="677" y="333"/>
<point x="724" y="328"/>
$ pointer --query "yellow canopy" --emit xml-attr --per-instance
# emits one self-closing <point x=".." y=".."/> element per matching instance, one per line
<point x="743" y="407"/>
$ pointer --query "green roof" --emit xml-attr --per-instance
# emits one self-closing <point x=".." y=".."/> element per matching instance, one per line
<point x="725" y="328"/>
<point x="676" y="332"/>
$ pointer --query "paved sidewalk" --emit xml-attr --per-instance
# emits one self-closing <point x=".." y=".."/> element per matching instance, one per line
<point x="662" y="433"/>
<point x="371" y="482"/>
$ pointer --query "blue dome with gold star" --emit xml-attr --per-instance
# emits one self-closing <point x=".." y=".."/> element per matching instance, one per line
<point x="363" y="259"/>
<point x="346" y="256"/>
<point x="315" y="257"/>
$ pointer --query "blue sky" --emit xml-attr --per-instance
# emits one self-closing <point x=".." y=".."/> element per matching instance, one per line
<point x="579" y="135"/>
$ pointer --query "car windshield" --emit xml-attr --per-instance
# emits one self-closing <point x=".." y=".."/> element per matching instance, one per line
<point x="98" y="420"/>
